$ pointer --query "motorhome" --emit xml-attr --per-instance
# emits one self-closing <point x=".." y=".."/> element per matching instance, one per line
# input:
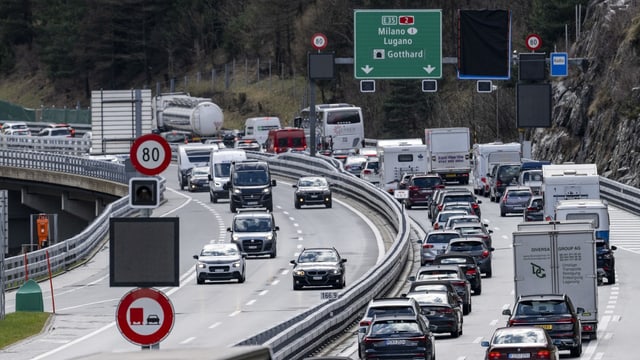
<point x="487" y="155"/>
<point x="258" y="127"/>
<point x="220" y="169"/>
<point x="568" y="181"/>
<point x="191" y="155"/>
<point x="397" y="159"/>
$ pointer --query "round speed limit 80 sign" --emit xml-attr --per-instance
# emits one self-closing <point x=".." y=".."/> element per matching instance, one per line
<point x="150" y="154"/>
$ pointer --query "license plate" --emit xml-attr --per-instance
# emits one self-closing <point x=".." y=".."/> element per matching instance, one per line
<point x="519" y="356"/>
<point x="396" y="342"/>
<point x="218" y="270"/>
<point x="450" y="175"/>
<point x="317" y="278"/>
<point x="545" y="326"/>
<point x="314" y="196"/>
<point x="252" y="203"/>
<point x="252" y="247"/>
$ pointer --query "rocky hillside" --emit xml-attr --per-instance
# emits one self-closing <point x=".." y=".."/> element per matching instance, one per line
<point x="597" y="108"/>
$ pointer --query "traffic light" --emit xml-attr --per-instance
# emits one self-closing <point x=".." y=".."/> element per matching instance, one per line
<point x="144" y="193"/>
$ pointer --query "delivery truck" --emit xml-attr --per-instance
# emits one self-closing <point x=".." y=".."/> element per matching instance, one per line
<point x="448" y="153"/>
<point x="559" y="258"/>
<point x="486" y="156"/>
<point x="568" y="181"/>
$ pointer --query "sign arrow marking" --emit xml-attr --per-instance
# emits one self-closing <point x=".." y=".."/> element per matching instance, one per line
<point x="367" y="69"/>
<point x="429" y="69"/>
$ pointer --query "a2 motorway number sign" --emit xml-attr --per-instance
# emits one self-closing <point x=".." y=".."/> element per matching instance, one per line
<point x="397" y="44"/>
<point x="150" y="154"/>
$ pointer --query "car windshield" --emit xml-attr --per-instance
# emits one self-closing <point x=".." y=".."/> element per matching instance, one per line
<point x="312" y="182"/>
<point x="251" y="177"/>
<point x="252" y="224"/>
<point x="317" y="256"/>
<point x="221" y="251"/>
<point x="200" y="172"/>
<point x="222" y="169"/>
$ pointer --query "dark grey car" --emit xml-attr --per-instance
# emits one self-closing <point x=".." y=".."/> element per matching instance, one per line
<point x="475" y="247"/>
<point x="515" y="200"/>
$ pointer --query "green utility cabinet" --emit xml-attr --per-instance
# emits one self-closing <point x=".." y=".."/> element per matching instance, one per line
<point x="29" y="297"/>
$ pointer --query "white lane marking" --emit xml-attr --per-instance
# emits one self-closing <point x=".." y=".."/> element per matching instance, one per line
<point x="603" y="323"/>
<point x="284" y="272"/>
<point x="263" y="292"/>
<point x="215" y="325"/>
<point x="234" y="313"/>
<point x="300" y="238"/>
<point x="71" y="343"/>
<point x="590" y="350"/>
<point x="275" y="282"/>
<point x="299" y="231"/>
<point x="292" y="218"/>
<point x="477" y="340"/>
<point x="506" y="306"/>
<point x="250" y="302"/>
<point x="88" y="304"/>
<point x="493" y="322"/>
<point x="296" y="225"/>
<point x="186" y="341"/>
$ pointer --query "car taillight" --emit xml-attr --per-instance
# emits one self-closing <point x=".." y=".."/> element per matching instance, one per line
<point x="544" y="354"/>
<point x="494" y="355"/>
<point x="587" y="328"/>
<point x="365" y="323"/>
<point x="531" y="209"/>
<point x="366" y="172"/>
<point x="417" y="338"/>
<point x="471" y="272"/>
<point x="372" y="341"/>
<point x="483" y="179"/>
<point x="414" y="188"/>
<point x="458" y="283"/>
<point x="440" y="207"/>
<point x="513" y="322"/>
<point x="446" y="310"/>
<point x="485" y="253"/>
<point x="475" y="206"/>
<point x="436" y="226"/>
<point x="427" y="246"/>
<point x="498" y="183"/>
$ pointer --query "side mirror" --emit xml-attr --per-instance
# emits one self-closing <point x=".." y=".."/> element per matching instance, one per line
<point x="273" y="182"/>
<point x="484" y="343"/>
<point x="277" y="228"/>
<point x="613" y="247"/>
<point x="580" y="310"/>
<point x="294" y="186"/>
<point x="344" y="260"/>
<point x="195" y="257"/>
<point x="226" y="186"/>
<point x="412" y="278"/>
<point x="506" y="312"/>
<point x="209" y="177"/>
<point x="292" y="262"/>
<point x="229" y="229"/>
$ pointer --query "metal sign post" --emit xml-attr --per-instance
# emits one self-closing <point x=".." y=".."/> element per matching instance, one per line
<point x="4" y="244"/>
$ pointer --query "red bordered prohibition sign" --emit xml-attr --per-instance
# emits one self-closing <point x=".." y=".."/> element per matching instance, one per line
<point x="126" y="326"/>
<point x="150" y="154"/>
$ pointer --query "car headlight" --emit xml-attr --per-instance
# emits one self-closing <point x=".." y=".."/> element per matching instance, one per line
<point x="298" y="273"/>
<point x="236" y="264"/>
<point x="266" y="190"/>
<point x="336" y="272"/>
<point x="235" y="237"/>
<point x="201" y="265"/>
<point x="237" y="191"/>
<point x="270" y="237"/>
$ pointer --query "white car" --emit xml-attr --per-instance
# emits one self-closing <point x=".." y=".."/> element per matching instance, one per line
<point x="443" y="216"/>
<point x="220" y="262"/>
<point x="9" y="127"/>
<point x="371" y="170"/>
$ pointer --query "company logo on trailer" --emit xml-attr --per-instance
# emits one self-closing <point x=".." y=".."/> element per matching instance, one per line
<point x="405" y="20"/>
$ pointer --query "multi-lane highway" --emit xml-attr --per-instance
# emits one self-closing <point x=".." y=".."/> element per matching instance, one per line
<point x="223" y="314"/>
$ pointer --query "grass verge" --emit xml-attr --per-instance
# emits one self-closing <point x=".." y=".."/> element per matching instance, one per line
<point x="20" y="325"/>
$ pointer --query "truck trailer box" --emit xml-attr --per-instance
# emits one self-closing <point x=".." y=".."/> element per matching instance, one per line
<point x="448" y="153"/>
<point x="485" y="156"/>
<point x="558" y="258"/>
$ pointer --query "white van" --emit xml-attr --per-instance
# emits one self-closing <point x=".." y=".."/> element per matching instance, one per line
<point x="219" y="170"/>
<point x="258" y="128"/>
<point x="191" y="155"/>
<point x="595" y="210"/>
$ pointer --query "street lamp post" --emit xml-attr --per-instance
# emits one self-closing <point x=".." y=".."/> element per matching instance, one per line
<point x="495" y="88"/>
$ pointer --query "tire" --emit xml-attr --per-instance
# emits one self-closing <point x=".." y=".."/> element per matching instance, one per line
<point x="329" y="204"/>
<point x="270" y="207"/>
<point x="232" y="207"/>
<point x="611" y="279"/>
<point x="466" y="309"/>
<point x="214" y="198"/>
<point x="296" y="287"/>
<point x="242" y="277"/>
<point x="407" y="205"/>
<point x="576" y="351"/>
<point x="274" y="253"/>
<point x="199" y="281"/>
<point x="488" y="274"/>
<point x="297" y="205"/>
<point x="181" y="185"/>
<point x="477" y="291"/>
<point x="503" y="214"/>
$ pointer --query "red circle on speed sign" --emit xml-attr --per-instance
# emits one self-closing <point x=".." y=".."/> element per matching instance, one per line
<point x="150" y="154"/>
<point x="319" y="41"/>
<point x="145" y="316"/>
<point x="533" y="42"/>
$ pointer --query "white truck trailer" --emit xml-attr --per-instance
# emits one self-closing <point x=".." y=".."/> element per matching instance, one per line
<point x="396" y="159"/>
<point x="559" y="258"/>
<point x="448" y="153"/>
<point x="487" y="155"/>
<point x="568" y="181"/>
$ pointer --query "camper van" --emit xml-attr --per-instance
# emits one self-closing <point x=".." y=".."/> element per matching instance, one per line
<point x="396" y="160"/>
<point x="595" y="210"/>
<point x="282" y="140"/>
<point x="219" y="170"/>
<point x="568" y="181"/>
<point x="258" y="128"/>
<point x="191" y="155"/>
<point x="485" y="156"/>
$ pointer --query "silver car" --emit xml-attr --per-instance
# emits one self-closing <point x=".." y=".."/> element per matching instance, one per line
<point x="220" y="262"/>
<point x="434" y="244"/>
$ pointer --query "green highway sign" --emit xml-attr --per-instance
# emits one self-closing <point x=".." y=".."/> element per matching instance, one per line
<point x="397" y="44"/>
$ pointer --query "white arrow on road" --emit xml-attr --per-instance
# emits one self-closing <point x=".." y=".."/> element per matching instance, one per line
<point x="367" y="69"/>
<point x="429" y="69"/>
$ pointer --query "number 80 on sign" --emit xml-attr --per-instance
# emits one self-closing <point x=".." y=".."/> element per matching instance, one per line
<point x="150" y="154"/>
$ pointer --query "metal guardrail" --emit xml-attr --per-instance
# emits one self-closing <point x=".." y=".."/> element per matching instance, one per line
<point x="58" y="145"/>
<point x="295" y="337"/>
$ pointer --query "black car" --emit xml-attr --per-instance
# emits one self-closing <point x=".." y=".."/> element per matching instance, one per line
<point x="553" y="312"/>
<point x="475" y="247"/>
<point x="606" y="261"/>
<point x="469" y="266"/>
<point x="319" y="267"/>
<point x="534" y="210"/>
<point x="312" y="190"/>
<point x="451" y="273"/>
<point x="442" y="310"/>
<point x="398" y="337"/>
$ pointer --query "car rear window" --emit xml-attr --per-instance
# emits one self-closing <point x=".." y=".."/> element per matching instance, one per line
<point x="441" y="238"/>
<point x="458" y="198"/>
<point x="542" y="307"/>
<point x="395" y="328"/>
<point x="390" y="310"/>
<point x="466" y="246"/>
<point x="520" y="194"/>
<point x="426" y="182"/>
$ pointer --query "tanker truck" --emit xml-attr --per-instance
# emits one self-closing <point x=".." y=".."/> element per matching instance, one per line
<point x="180" y="111"/>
